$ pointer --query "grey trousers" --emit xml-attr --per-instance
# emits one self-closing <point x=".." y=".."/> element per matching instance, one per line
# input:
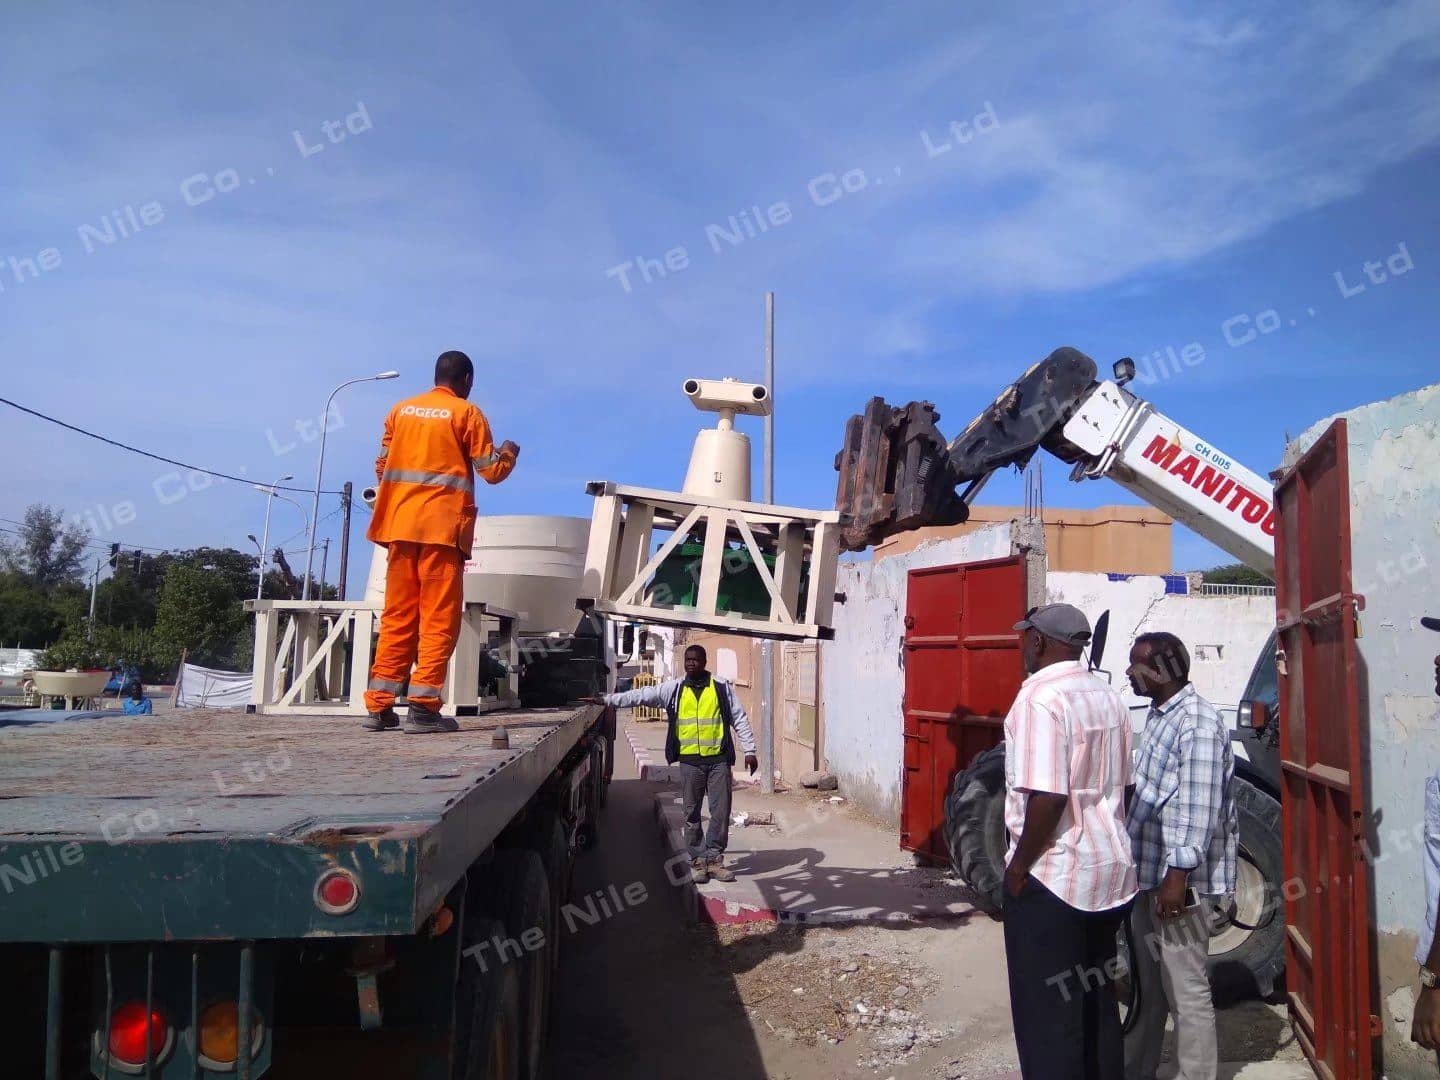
<point x="697" y="783"/>
<point x="1169" y="958"/>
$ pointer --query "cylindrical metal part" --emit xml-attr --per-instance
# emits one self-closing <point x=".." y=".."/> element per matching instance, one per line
<point x="719" y="466"/>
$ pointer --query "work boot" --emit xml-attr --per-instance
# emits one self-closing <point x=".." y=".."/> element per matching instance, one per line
<point x="716" y="869"/>
<point x="384" y="720"/>
<point x="698" y="873"/>
<point x="422" y="721"/>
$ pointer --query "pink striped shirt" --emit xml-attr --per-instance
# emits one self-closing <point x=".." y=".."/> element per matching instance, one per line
<point x="1068" y="733"/>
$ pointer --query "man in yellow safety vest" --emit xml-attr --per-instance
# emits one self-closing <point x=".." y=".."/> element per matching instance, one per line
<point x="705" y="719"/>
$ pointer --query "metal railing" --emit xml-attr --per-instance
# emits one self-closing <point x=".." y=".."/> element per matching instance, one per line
<point x="646" y="712"/>
<point x="1215" y="589"/>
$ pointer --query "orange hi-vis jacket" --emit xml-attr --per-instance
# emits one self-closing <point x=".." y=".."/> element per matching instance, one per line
<point x="432" y="446"/>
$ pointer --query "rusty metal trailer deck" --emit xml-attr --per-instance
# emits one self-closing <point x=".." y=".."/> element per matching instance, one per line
<point x="217" y="825"/>
<point x="288" y="869"/>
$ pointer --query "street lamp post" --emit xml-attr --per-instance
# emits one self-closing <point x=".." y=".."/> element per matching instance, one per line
<point x="265" y="534"/>
<point x="320" y="469"/>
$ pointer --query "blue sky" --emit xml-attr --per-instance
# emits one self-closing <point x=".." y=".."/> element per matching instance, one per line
<point x="1137" y="179"/>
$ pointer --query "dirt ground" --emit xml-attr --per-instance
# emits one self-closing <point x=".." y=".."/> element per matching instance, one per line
<point x="646" y="993"/>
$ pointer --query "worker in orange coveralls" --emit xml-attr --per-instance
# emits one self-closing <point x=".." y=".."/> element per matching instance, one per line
<point x="425" y="517"/>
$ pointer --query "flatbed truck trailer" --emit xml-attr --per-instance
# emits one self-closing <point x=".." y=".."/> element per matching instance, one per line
<point x="217" y="894"/>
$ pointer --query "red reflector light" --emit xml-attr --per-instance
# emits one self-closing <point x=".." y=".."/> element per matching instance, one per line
<point x="128" y="1030"/>
<point x="337" y="892"/>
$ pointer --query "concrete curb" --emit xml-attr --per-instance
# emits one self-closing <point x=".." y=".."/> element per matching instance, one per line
<point x="651" y="769"/>
<point x="710" y="904"/>
<point x="646" y="765"/>
<point x="695" y="903"/>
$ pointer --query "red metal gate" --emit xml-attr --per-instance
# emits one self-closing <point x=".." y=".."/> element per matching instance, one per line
<point x="962" y="671"/>
<point x="1327" y="910"/>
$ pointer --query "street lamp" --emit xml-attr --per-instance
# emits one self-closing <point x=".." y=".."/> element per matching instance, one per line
<point x="269" y="502"/>
<point x="320" y="469"/>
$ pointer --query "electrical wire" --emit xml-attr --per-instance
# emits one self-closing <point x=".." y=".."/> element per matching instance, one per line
<point x="156" y="457"/>
<point x="100" y="545"/>
<point x="303" y="531"/>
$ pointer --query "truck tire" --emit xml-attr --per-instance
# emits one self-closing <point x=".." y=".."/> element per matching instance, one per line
<point x="1245" y="962"/>
<point x="487" y="1009"/>
<point x="515" y="889"/>
<point x="547" y="839"/>
<point x="975" y="828"/>
<point x="589" y="834"/>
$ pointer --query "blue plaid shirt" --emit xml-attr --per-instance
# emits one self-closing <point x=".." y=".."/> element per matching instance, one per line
<point x="1183" y="811"/>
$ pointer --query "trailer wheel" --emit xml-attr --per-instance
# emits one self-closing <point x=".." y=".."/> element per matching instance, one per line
<point x="547" y="839"/>
<point x="516" y="890"/>
<point x="975" y="828"/>
<point x="487" y="1008"/>
<point x="602" y="784"/>
<point x="1247" y="952"/>
<point x="589" y="834"/>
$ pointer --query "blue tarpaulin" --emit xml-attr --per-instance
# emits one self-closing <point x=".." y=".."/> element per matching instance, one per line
<point x="26" y="717"/>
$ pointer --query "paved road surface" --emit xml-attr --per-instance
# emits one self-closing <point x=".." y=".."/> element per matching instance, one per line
<point x="629" y="1001"/>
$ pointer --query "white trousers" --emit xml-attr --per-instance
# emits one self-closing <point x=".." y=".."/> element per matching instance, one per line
<point x="1169" y="959"/>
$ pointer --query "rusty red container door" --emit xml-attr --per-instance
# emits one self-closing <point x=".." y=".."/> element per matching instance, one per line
<point x="1327" y="910"/>
<point x="962" y="671"/>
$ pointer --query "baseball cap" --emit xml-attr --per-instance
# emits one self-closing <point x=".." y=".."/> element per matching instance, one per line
<point x="1063" y="622"/>
<point x="1430" y="622"/>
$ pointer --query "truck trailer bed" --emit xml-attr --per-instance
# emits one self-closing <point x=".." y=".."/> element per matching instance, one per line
<point x="218" y="824"/>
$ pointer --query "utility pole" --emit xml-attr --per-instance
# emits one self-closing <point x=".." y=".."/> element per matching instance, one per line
<point x="264" y="541"/>
<point x="346" y="498"/>
<point x="94" y="585"/>
<point x="324" y="558"/>
<point x="767" y="647"/>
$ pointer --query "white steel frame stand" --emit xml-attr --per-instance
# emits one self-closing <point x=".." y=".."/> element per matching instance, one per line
<point x="325" y="627"/>
<point x="620" y="569"/>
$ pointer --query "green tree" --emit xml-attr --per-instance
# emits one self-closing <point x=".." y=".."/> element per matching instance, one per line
<point x="28" y="619"/>
<point x="46" y="550"/>
<point x="123" y="600"/>
<point x="1234" y="574"/>
<point x="200" y="611"/>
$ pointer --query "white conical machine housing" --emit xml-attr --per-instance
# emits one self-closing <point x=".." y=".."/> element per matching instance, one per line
<point x="720" y="460"/>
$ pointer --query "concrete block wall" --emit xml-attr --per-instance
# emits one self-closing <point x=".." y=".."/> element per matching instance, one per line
<point x="863" y="677"/>
<point x="1224" y="633"/>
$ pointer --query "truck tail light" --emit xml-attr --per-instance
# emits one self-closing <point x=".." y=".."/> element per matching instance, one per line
<point x="337" y="892"/>
<point x="129" y="1031"/>
<point x="219" y="1035"/>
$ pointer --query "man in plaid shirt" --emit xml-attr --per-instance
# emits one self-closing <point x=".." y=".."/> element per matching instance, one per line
<point x="1184" y="828"/>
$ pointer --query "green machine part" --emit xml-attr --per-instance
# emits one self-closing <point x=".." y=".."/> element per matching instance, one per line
<point x="742" y="592"/>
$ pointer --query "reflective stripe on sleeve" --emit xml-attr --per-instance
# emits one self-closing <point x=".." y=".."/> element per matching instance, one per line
<point x="486" y="461"/>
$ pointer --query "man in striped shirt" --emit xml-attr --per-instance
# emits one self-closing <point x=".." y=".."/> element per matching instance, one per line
<point x="1186" y="830"/>
<point x="1070" y="875"/>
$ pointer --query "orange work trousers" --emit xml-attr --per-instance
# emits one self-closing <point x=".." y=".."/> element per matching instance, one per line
<point x="424" y="596"/>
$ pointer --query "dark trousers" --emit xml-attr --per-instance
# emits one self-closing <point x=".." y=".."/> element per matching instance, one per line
<point x="697" y="784"/>
<point x="1062" y="997"/>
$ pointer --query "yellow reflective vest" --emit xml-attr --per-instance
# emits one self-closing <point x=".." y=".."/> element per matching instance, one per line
<point x="699" y="724"/>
